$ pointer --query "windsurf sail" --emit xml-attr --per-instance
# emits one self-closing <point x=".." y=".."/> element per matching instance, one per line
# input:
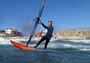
<point x="37" y="20"/>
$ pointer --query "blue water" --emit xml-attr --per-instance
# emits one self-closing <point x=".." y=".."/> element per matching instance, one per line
<point x="10" y="54"/>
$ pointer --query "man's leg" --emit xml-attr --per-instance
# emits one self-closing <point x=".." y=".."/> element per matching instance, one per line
<point x="47" y="41"/>
<point x="40" y="42"/>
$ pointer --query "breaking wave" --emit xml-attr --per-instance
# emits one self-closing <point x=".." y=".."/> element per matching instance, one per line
<point x="83" y="45"/>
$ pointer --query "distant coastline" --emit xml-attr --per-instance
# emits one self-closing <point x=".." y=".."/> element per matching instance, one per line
<point x="69" y="34"/>
<point x="81" y="33"/>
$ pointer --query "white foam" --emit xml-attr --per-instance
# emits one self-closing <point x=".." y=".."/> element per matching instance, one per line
<point x="6" y="41"/>
<point x="80" y="41"/>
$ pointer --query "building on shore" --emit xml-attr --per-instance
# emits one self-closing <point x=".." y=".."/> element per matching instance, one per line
<point x="2" y="33"/>
<point x="10" y="32"/>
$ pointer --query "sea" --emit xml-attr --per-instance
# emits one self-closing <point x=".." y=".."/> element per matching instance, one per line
<point x="59" y="51"/>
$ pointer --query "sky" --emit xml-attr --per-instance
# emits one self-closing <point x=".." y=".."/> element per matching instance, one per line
<point x="65" y="14"/>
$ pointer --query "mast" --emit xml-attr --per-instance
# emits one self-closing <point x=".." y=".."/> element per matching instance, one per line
<point x="42" y="6"/>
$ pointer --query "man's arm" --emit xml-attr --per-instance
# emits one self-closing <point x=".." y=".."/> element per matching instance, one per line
<point x="44" y="25"/>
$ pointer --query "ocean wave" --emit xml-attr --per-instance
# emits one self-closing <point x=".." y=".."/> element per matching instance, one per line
<point x="83" y="45"/>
